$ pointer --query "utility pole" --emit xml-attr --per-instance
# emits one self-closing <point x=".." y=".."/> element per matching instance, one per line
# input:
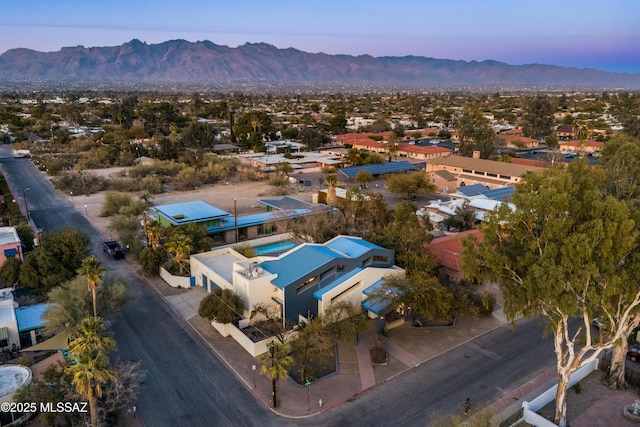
<point x="235" y="219"/>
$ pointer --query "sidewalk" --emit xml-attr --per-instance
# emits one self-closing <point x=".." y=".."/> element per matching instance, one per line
<point x="356" y="373"/>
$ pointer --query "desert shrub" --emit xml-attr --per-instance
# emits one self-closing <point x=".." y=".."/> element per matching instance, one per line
<point x="80" y="183"/>
<point x="113" y="202"/>
<point x="158" y="167"/>
<point x="151" y="260"/>
<point x="152" y="185"/>
<point x="125" y="185"/>
<point x="187" y="179"/>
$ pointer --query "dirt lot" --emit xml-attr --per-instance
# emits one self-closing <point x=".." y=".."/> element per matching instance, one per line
<point x="221" y="196"/>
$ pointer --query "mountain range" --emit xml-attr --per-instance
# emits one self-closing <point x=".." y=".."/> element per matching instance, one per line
<point x="206" y="63"/>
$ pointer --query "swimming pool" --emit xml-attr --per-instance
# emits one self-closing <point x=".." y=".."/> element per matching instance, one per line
<point x="277" y="247"/>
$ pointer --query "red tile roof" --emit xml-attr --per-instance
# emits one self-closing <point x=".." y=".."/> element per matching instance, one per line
<point x="447" y="250"/>
<point x="577" y="143"/>
<point x="422" y="149"/>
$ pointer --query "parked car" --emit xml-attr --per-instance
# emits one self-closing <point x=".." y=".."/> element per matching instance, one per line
<point x="633" y="353"/>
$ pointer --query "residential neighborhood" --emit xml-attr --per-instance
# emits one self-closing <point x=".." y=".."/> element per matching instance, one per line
<point x="271" y="231"/>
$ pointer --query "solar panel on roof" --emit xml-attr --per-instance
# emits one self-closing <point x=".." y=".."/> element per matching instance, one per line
<point x="379" y="169"/>
<point x="499" y="194"/>
<point x="472" y="190"/>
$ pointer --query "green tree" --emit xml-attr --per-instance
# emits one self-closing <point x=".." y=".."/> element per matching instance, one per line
<point x="92" y="269"/>
<point x="91" y="370"/>
<point x="620" y="159"/>
<point x="151" y="260"/>
<point x="89" y="374"/>
<point x="221" y="306"/>
<point x="155" y="233"/>
<point x="311" y="347"/>
<point x="70" y="303"/>
<point x="181" y="246"/>
<point x="411" y="184"/>
<point x="407" y="237"/>
<point x="60" y="254"/>
<point x="418" y="295"/>
<point x="252" y="129"/>
<point x="563" y="246"/>
<point x="475" y="134"/>
<point x="313" y="138"/>
<point x="344" y="320"/>
<point x="276" y="363"/>
<point x="363" y="178"/>
<point x="538" y="119"/>
<point x="464" y="217"/>
<point x="199" y="136"/>
<point x="10" y="272"/>
<point x="91" y="334"/>
<point x="338" y="123"/>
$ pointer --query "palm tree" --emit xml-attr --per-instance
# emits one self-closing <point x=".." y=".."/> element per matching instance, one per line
<point x="89" y="373"/>
<point x="92" y="269"/>
<point x="92" y="334"/>
<point x="154" y="233"/>
<point x="181" y="245"/>
<point x="91" y="369"/>
<point x="278" y="361"/>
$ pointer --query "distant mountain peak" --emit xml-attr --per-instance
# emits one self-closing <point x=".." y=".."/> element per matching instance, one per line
<point x="204" y="62"/>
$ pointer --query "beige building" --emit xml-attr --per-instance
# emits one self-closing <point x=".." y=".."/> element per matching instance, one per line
<point x="448" y="173"/>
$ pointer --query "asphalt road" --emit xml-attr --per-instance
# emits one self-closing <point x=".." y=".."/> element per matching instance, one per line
<point x="483" y="370"/>
<point x="187" y="385"/>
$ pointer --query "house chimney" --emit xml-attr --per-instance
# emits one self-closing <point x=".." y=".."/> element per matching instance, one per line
<point x="476" y="154"/>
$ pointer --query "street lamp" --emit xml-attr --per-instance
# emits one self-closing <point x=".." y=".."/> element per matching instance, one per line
<point x="26" y="206"/>
<point x="253" y="368"/>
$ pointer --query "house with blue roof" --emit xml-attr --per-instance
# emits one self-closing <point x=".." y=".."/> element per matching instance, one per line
<point x="225" y="228"/>
<point x="303" y="281"/>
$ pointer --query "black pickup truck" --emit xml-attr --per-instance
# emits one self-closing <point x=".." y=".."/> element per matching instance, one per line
<point x="114" y="249"/>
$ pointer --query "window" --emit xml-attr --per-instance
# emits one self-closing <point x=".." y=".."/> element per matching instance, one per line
<point x="306" y="285"/>
<point x="478" y="172"/>
<point x="493" y="175"/>
<point x="345" y="291"/>
<point x="467" y="170"/>
<point x="505" y="177"/>
<point x="382" y="258"/>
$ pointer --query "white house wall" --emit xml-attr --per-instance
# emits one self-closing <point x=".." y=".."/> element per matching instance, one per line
<point x="354" y="296"/>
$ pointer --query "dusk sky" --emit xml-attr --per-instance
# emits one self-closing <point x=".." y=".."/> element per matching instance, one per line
<point x="602" y="34"/>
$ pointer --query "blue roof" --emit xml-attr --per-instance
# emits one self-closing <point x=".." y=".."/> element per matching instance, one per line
<point x="379" y="169"/>
<point x="30" y="317"/>
<point x="472" y="190"/>
<point x="340" y="280"/>
<point x="297" y="263"/>
<point x="500" y="194"/>
<point x="184" y="213"/>
<point x="378" y="308"/>
<point x="351" y="246"/>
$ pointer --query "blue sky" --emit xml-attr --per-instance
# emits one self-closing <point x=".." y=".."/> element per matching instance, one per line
<point x="601" y="34"/>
